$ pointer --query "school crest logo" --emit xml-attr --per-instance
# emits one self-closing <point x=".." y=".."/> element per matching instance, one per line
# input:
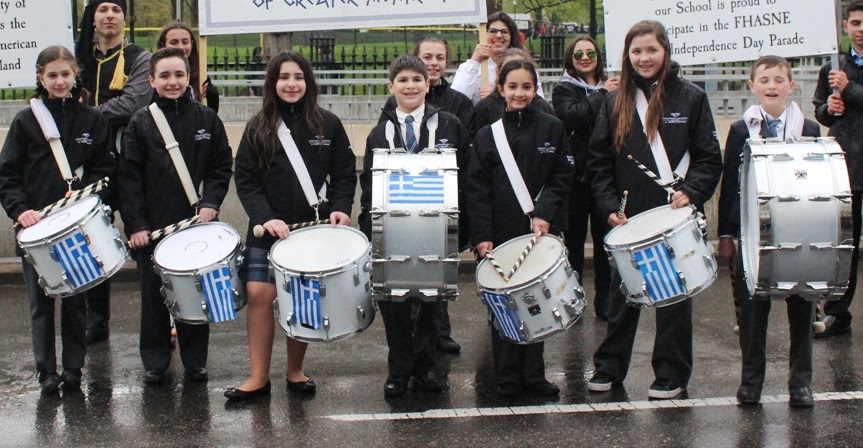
<point x="84" y="139"/>
<point x="546" y="149"/>
<point x="202" y="134"/>
<point x="675" y="118"/>
<point x="444" y="144"/>
<point x="319" y="140"/>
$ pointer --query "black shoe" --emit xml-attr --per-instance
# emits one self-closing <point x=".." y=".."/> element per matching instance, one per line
<point x="395" y="388"/>
<point x="447" y="345"/>
<point x="154" y="377"/>
<point x="429" y="382"/>
<point x="302" y="387"/>
<point x="833" y="327"/>
<point x="800" y="397"/>
<point x="544" y="388"/>
<point x="665" y="389"/>
<point x="97" y="334"/>
<point x="749" y="394"/>
<point x="50" y="382"/>
<point x="196" y="374"/>
<point x="600" y="382"/>
<point x="508" y="390"/>
<point x="235" y="394"/>
<point x="71" y="378"/>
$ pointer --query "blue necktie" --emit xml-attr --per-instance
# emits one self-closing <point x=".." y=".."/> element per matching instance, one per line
<point x="774" y="126"/>
<point x="411" y="136"/>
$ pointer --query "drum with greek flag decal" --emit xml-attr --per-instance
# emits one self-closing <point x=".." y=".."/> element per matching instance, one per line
<point x="74" y="248"/>
<point x="323" y="283"/>
<point x="662" y="256"/>
<point x="200" y="271"/>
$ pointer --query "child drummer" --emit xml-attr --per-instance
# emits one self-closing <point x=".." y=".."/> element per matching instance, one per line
<point x="770" y="81"/>
<point x="30" y="179"/>
<point x="152" y="196"/>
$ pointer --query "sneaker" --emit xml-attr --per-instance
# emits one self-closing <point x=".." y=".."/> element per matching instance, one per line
<point x="600" y="382"/>
<point x="665" y="389"/>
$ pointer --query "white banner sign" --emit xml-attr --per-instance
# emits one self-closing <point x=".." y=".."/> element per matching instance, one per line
<point x="26" y="28"/>
<point x="271" y="16"/>
<point x="711" y="31"/>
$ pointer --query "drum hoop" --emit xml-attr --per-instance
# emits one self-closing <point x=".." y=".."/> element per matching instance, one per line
<point x="324" y="273"/>
<point x="238" y="248"/>
<point x="664" y="236"/>
<point x="506" y="291"/>
<point x="59" y="235"/>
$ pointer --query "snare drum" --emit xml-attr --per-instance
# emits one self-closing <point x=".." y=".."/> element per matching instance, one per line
<point x="795" y="219"/>
<point x="541" y="299"/>
<point x="415" y="224"/>
<point x="199" y="267"/>
<point x="74" y="248"/>
<point x="323" y="281"/>
<point x="662" y="256"/>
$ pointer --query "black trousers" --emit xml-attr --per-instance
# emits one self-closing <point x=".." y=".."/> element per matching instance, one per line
<point x="672" y="344"/>
<point x="73" y="317"/>
<point x="516" y="364"/>
<point x="99" y="305"/>
<point x="441" y="320"/>
<point x="582" y="211"/>
<point x="753" y="335"/>
<point x="411" y="343"/>
<point x="155" y="337"/>
<point x="839" y="308"/>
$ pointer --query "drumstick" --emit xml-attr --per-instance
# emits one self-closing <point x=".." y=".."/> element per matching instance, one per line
<point x="652" y="176"/>
<point x="259" y="230"/>
<point x="496" y="266"/>
<point x="173" y="228"/>
<point x="76" y="196"/>
<point x="622" y="207"/>
<point x="523" y="255"/>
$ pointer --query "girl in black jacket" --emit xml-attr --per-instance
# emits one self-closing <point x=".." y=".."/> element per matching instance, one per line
<point x="540" y="149"/>
<point x="272" y="196"/>
<point x="577" y="99"/>
<point x="179" y="35"/>
<point x="492" y="107"/>
<point x="679" y="111"/>
<point x="30" y="180"/>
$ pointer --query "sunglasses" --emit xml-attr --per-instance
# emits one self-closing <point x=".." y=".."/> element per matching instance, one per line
<point x="494" y="31"/>
<point x="580" y="54"/>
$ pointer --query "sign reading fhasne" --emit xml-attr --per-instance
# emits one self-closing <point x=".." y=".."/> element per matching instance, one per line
<point x="710" y="31"/>
<point x="25" y="30"/>
<point x="270" y="16"/>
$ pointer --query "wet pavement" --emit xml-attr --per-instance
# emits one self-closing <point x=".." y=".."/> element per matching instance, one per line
<point x="114" y="408"/>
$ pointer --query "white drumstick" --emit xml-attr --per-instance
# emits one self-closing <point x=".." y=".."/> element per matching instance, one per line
<point x="259" y="230"/>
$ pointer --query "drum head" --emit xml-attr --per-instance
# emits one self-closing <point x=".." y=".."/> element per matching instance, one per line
<point x="319" y="249"/>
<point x="545" y="253"/>
<point x="647" y="225"/>
<point x="59" y="221"/>
<point x="196" y="247"/>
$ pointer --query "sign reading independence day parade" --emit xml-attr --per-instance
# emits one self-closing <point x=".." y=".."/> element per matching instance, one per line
<point x="26" y="28"/>
<point x="269" y="16"/>
<point x="712" y="31"/>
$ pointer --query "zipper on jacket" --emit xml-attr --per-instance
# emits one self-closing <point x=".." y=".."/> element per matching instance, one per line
<point x="519" y="119"/>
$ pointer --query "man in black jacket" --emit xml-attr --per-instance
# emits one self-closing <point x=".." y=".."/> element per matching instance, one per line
<point x="839" y="105"/>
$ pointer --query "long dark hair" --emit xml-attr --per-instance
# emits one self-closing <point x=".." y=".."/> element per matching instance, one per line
<point x="514" y="35"/>
<point x="569" y="66"/>
<point x="59" y="53"/>
<point x="194" y="63"/>
<point x="624" y="107"/>
<point x="265" y="140"/>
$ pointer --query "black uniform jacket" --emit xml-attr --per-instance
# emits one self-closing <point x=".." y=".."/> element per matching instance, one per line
<point x="848" y="127"/>
<point x="539" y="146"/>
<point x="275" y="192"/>
<point x="687" y="124"/>
<point x="151" y="194"/>
<point x="449" y="134"/>
<point x="729" y="191"/>
<point x="445" y="98"/>
<point x="29" y="176"/>
<point x="577" y="108"/>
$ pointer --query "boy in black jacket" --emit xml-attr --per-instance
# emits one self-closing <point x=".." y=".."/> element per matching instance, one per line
<point x="410" y="356"/>
<point x="152" y="196"/>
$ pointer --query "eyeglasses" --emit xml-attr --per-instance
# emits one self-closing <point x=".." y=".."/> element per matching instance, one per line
<point x="580" y="54"/>
<point x="503" y="32"/>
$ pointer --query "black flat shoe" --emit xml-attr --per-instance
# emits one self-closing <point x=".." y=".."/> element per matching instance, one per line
<point x="544" y="388"/>
<point x="97" y="334"/>
<point x="235" y="394"/>
<point x="748" y="394"/>
<point x="302" y="387"/>
<point x="800" y="397"/>
<point x="71" y="378"/>
<point x="448" y="345"/>
<point x="196" y="375"/>
<point x="50" y="382"/>
<point x="154" y="377"/>
<point x="429" y="382"/>
<point x="508" y="390"/>
<point x="395" y="388"/>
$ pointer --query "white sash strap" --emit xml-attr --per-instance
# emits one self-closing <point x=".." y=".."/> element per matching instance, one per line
<point x="390" y="131"/>
<point x="174" y="151"/>
<point x="52" y="134"/>
<point x="299" y="166"/>
<point x="512" y="171"/>
<point x="658" y="148"/>
<point x="431" y="124"/>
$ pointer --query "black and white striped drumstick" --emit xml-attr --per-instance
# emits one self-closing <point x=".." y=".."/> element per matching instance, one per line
<point x="622" y="208"/>
<point x="523" y="255"/>
<point x="259" y="230"/>
<point x="496" y="266"/>
<point x="653" y="176"/>
<point x="173" y="228"/>
<point x="75" y="197"/>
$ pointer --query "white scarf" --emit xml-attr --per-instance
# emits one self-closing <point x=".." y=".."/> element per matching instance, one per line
<point x="793" y="121"/>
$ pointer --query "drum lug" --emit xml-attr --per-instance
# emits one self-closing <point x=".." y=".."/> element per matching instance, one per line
<point x="29" y="259"/>
<point x="119" y="242"/>
<point x="397" y="258"/>
<point x="557" y="315"/>
<point x="682" y="278"/>
<point x="99" y="261"/>
<point x="522" y="329"/>
<point x="782" y="157"/>
<point x="844" y="197"/>
<point x="361" y="313"/>
<point x="814" y="156"/>
<point x="789" y="246"/>
<point x="240" y="260"/>
<point x="204" y="308"/>
<point x="323" y="289"/>
<point x="710" y="262"/>
<point x="429" y="213"/>
<point x="326" y="323"/>
<point x="821" y="246"/>
<point x="106" y="217"/>
<point x="820" y="197"/>
<point x="788" y="198"/>
<point x="429" y="258"/>
<point x="399" y="212"/>
<point x="53" y="254"/>
<point x="819" y="287"/>
<point x="452" y="213"/>
<point x="167" y="283"/>
<point x="368" y="286"/>
<point x="568" y="270"/>
<point x="198" y="286"/>
<point x="357" y="275"/>
<point x="43" y="283"/>
<point x="429" y="292"/>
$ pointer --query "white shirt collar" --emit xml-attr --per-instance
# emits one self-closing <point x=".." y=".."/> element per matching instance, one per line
<point x="782" y="117"/>
<point x="418" y="114"/>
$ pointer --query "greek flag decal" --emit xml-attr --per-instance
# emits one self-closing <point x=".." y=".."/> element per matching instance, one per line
<point x="219" y="294"/>
<point x="425" y="188"/>
<point x="78" y="263"/>
<point x="306" y="299"/>
<point x="506" y="319"/>
<point x="659" y="272"/>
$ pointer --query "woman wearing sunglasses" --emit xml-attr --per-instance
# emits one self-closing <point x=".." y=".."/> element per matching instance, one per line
<point x="576" y="101"/>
